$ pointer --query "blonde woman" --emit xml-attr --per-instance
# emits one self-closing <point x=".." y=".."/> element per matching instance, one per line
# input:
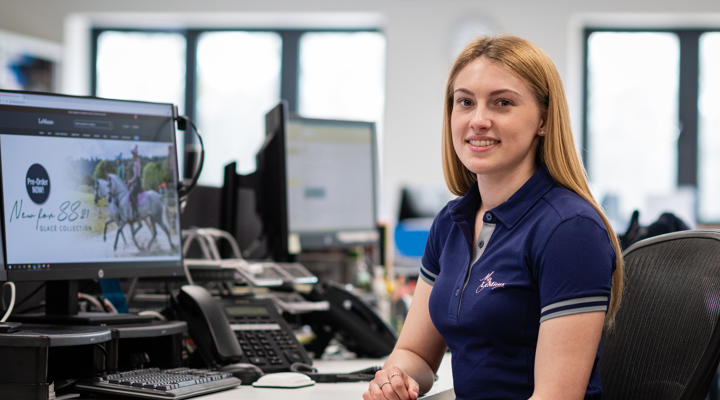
<point x="521" y="271"/>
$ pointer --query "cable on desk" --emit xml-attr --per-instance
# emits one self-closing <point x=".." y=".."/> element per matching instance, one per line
<point x="155" y="314"/>
<point x="11" y="285"/>
<point x="109" y="306"/>
<point x="92" y="300"/>
<point x="361" y="375"/>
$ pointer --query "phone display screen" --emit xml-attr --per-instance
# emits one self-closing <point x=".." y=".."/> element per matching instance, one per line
<point x="236" y="311"/>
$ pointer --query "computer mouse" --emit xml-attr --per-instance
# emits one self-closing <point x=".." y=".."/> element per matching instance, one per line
<point x="284" y="380"/>
<point x="247" y="373"/>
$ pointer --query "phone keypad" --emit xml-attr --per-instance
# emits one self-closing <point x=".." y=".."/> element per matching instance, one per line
<point x="266" y="347"/>
<point x="265" y="338"/>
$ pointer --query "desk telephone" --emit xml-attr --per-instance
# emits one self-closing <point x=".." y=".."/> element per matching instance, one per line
<point x="348" y="320"/>
<point x="238" y="330"/>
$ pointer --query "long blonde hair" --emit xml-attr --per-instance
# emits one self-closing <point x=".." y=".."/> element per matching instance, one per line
<point x="556" y="149"/>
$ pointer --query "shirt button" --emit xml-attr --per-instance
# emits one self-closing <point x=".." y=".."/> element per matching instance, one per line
<point x="457" y="292"/>
<point x="488" y="217"/>
<point x="481" y="244"/>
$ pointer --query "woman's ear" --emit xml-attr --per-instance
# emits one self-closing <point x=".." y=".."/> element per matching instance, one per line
<point x="541" y="128"/>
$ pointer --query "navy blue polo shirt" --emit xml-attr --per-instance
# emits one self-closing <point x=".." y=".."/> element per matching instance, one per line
<point x="544" y="253"/>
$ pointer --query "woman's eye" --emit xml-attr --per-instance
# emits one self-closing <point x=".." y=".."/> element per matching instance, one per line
<point x="503" y="102"/>
<point x="464" y="102"/>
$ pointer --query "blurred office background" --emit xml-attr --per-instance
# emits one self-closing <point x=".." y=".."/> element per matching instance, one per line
<point x="642" y="79"/>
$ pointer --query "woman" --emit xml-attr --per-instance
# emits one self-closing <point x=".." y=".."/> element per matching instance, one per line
<point x="521" y="272"/>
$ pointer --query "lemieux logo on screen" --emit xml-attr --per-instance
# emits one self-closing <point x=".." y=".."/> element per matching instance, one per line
<point x="37" y="182"/>
<point x="45" y="121"/>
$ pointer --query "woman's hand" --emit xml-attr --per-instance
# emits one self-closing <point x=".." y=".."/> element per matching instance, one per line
<point x="392" y="383"/>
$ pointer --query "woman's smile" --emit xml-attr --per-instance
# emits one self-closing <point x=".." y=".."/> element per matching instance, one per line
<point x="481" y="144"/>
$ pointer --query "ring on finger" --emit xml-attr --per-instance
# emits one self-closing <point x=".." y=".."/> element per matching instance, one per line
<point x="394" y="374"/>
<point x="384" y="383"/>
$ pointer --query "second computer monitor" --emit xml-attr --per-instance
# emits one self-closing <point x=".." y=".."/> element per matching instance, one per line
<point x="330" y="176"/>
<point x="316" y="186"/>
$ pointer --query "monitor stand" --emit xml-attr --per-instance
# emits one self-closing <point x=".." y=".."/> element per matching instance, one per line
<point x="61" y="307"/>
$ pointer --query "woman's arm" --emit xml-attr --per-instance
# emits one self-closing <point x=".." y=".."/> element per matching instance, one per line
<point x="566" y="350"/>
<point x="416" y="356"/>
<point x="420" y="348"/>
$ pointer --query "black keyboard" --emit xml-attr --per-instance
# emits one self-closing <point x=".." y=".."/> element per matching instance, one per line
<point x="155" y="383"/>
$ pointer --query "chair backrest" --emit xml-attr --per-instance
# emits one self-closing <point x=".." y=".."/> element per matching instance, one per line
<point x="666" y="340"/>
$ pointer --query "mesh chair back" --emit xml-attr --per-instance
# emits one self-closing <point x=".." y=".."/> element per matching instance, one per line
<point x="666" y="343"/>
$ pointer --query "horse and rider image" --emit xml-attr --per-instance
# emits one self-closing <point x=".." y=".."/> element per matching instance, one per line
<point x="131" y="208"/>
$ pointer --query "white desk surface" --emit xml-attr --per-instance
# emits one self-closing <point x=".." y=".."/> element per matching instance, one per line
<point x="327" y="391"/>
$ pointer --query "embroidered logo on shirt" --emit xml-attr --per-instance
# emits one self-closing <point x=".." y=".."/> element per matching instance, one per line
<point x="487" y="282"/>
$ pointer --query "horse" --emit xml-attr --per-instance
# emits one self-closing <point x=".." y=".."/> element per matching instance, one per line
<point x="102" y="190"/>
<point x="150" y="208"/>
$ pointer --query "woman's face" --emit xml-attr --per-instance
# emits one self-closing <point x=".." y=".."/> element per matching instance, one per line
<point x="495" y="120"/>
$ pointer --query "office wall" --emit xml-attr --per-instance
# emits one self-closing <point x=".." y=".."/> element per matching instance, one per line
<point x="421" y="39"/>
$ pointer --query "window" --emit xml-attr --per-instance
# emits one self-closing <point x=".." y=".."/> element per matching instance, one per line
<point x="234" y="91"/>
<point x="342" y="75"/>
<point x="649" y="130"/>
<point x="709" y="128"/>
<point x="147" y="66"/>
<point x="229" y="79"/>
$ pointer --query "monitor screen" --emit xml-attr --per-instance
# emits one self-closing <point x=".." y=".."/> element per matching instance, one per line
<point x="330" y="175"/>
<point x="315" y="184"/>
<point x="88" y="188"/>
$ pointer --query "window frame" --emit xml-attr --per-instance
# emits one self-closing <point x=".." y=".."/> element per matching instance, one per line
<point x="688" y="92"/>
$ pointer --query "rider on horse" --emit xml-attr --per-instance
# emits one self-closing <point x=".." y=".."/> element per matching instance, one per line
<point x="135" y="183"/>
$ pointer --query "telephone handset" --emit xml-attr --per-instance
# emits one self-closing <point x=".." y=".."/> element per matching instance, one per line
<point x="208" y="325"/>
<point x="239" y="329"/>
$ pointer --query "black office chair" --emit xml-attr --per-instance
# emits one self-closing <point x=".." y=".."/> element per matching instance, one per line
<point x="666" y="340"/>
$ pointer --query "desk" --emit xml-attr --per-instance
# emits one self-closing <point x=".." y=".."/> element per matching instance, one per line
<point x="327" y="391"/>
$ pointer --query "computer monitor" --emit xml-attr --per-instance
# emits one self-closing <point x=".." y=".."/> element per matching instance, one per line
<point x="316" y="183"/>
<point x="65" y="163"/>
